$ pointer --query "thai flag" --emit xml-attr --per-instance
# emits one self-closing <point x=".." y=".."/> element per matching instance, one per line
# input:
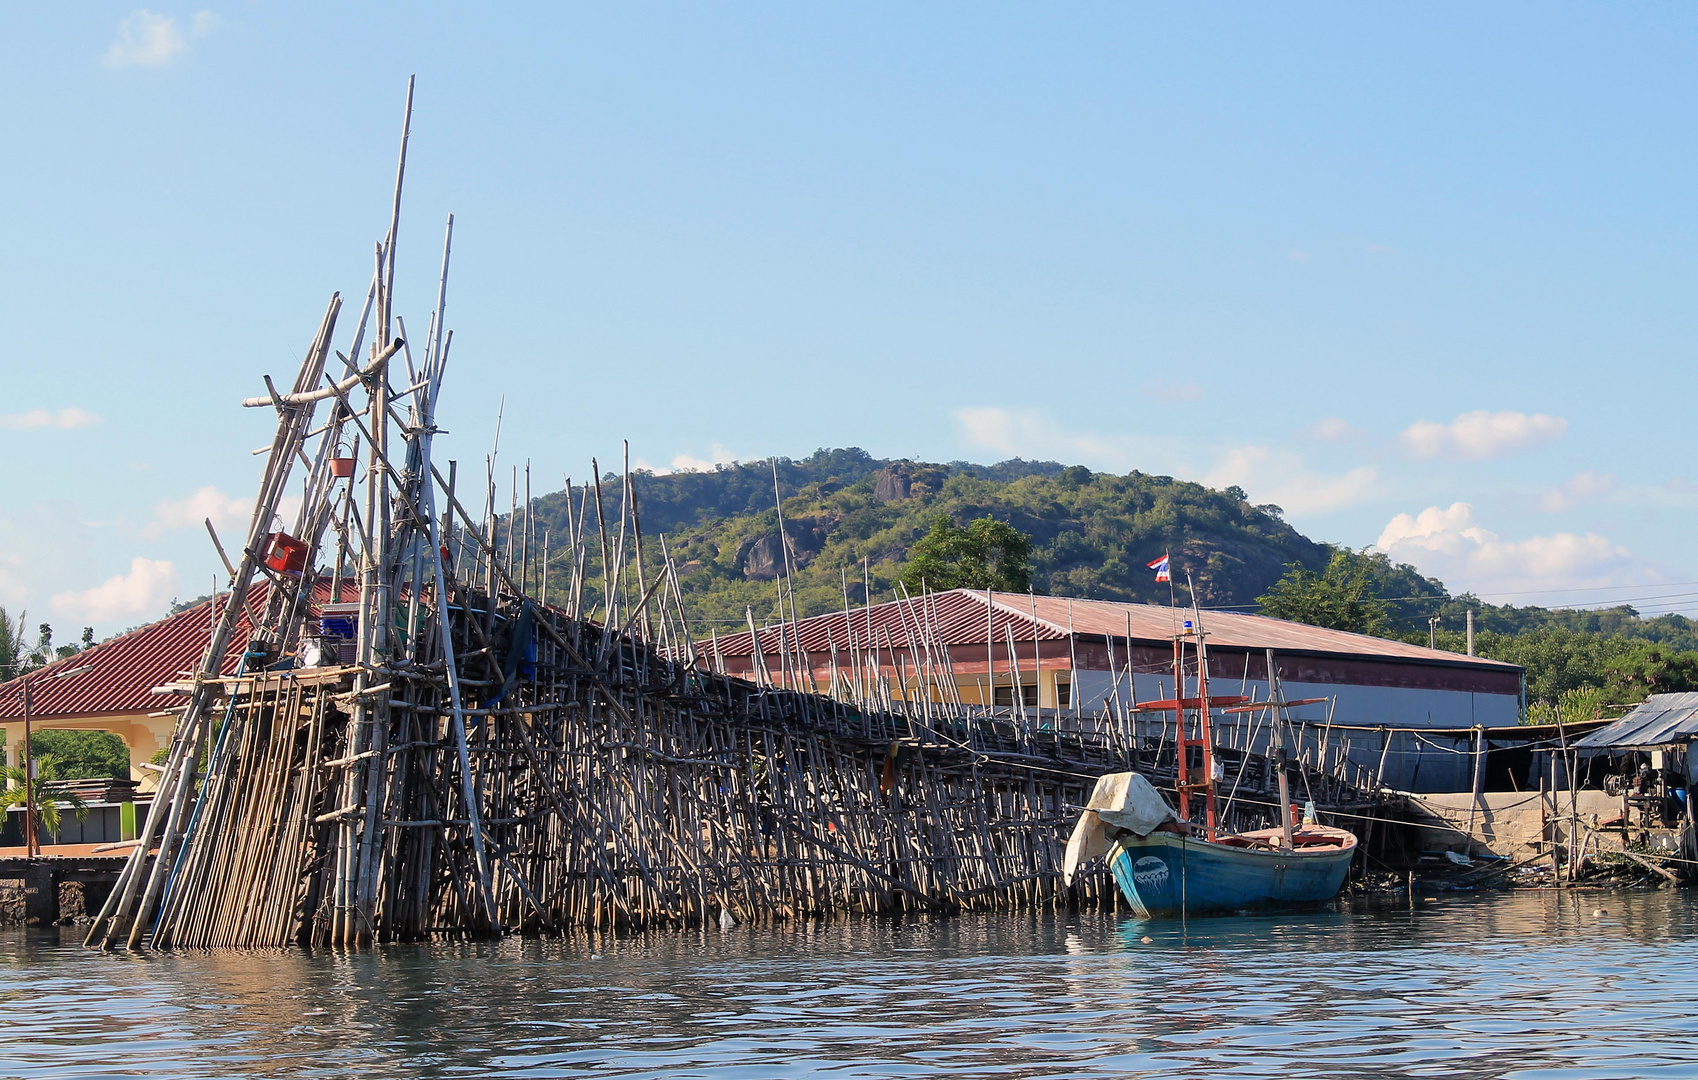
<point x="1160" y="567"/>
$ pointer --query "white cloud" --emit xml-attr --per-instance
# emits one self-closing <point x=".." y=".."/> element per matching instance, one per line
<point x="152" y="40"/>
<point x="1031" y="434"/>
<point x="144" y="591"/>
<point x="1675" y="494"/>
<point x="40" y="543"/>
<point x="717" y="455"/>
<point x="34" y="419"/>
<point x="1173" y="392"/>
<point x="1447" y="543"/>
<point x="1267" y="475"/>
<point x="1333" y="430"/>
<point x="1298" y="255"/>
<point x="208" y="502"/>
<point x="1282" y="478"/>
<point x="1433" y="528"/>
<point x="1576" y="489"/>
<point x="230" y="516"/>
<point x="1480" y="434"/>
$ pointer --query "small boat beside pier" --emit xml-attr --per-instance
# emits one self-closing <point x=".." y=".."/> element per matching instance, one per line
<point x="1163" y="862"/>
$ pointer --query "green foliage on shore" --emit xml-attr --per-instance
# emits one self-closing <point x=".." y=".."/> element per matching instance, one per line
<point x="1580" y="664"/>
<point x="82" y="755"/>
<point x="46" y="790"/>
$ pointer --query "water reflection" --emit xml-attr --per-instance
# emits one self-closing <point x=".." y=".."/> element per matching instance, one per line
<point x="1529" y="985"/>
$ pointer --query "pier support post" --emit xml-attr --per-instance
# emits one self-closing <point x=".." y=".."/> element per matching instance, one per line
<point x="41" y="895"/>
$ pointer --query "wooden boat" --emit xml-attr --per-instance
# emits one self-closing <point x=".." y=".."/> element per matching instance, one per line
<point x="1166" y="865"/>
<point x="1166" y="874"/>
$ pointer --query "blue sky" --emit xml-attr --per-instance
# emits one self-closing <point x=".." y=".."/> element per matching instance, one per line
<point x="1421" y="277"/>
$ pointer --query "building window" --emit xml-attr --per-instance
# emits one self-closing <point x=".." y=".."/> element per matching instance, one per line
<point x="1004" y="695"/>
<point x="1063" y="693"/>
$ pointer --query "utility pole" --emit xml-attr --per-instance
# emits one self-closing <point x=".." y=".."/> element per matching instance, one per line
<point x="1470" y="631"/>
<point x="32" y="842"/>
<point x="1432" y="631"/>
<point x="31" y="848"/>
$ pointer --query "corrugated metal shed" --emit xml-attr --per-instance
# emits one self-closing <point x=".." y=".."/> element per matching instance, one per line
<point x="127" y="668"/>
<point x="1659" y="720"/>
<point x="961" y="618"/>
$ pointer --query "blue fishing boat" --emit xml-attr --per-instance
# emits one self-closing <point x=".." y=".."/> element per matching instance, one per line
<point x="1167" y="864"/>
<point x="1165" y="874"/>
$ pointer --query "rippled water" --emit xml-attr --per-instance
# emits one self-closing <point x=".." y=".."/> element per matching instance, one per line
<point x="1525" y="985"/>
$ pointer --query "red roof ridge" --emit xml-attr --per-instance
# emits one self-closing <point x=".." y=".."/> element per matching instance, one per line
<point x="126" y="668"/>
<point x="1090" y="618"/>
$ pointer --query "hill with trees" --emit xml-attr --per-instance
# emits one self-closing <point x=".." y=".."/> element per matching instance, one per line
<point x="854" y="521"/>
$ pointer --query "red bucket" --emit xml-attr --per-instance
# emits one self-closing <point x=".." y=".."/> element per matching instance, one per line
<point x="285" y="554"/>
<point x="341" y="467"/>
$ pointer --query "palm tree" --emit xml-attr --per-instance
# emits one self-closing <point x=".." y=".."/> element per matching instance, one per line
<point x="46" y="791"/>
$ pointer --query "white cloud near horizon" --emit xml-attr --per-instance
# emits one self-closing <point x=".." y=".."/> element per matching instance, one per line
<point x="1447" y="543"/>
<point x="1266" y="474"/>
<point x="718" y="455"/>
<point x="146" y="590"/>
<point x="1033" y="435"/>
<point x="225" y="512"/>
<point x="1580" y="487"/>
<point x="1284" y="479"/>
<point x="1332" y="429"/>
<point x="1478" y="435"/>
<point x="67" y="419"/>
<point x="148" y="39"/>
<point x="1170" y="393"/>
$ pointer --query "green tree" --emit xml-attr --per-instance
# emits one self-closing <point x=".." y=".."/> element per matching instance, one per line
<point x="82" y="755"/>
<point x="1574" y="706"/>
<point x="13" y="658"/>
<point x="1341" y="597"/>
<point x="1648" y="669"/>
<point x="46" y="790"/>
<point x="1556" y="658"/>
<point x="983" y="554"/>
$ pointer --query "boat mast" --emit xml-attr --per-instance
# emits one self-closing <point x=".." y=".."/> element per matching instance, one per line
<point x="1277" y="694"/>
<point x="1182" y="758"/>
<point x="1205" y="735"/>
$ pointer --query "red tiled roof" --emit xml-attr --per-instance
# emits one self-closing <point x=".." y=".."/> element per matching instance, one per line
<point x="959" y="618"/>
<point x="127" y="668"/>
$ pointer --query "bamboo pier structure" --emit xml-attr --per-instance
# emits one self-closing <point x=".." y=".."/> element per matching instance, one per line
<point x="423" y="736"/>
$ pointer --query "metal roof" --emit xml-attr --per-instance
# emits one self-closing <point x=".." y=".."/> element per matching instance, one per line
<point x="959" y="617"/>
<point x="1659" y="720"/>
<point x="128" y="667"/>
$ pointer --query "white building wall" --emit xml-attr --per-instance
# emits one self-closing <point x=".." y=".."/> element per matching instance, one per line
<point x="1368" y="706"/>
<point x="1413" y="762"/>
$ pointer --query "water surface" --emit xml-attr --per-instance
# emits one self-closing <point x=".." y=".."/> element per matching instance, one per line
<point x="1528" y="985"/>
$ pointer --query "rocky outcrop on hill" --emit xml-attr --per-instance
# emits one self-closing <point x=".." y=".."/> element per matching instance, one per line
<point x="761" y="557"/>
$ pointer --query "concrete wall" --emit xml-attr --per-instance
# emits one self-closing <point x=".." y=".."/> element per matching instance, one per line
<point x="1506" y="823"/>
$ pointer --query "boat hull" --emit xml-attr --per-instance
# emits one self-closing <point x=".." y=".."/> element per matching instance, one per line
<point x="1164" y="874"/>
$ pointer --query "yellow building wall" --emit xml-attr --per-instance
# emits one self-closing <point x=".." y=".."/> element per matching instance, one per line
<point x="973" y="690"/>
<point x="145" y="736"/>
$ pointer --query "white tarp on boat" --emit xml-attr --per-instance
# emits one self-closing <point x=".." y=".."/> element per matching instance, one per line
<point x="1120" y="801"/>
